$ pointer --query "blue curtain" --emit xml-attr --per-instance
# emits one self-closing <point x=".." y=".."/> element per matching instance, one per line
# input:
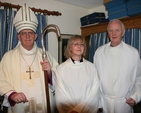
<point x="42" y="21"/>
<point x="96" y="40"/>
<point x="131" y="37"/>
<point x="8" y="34"/>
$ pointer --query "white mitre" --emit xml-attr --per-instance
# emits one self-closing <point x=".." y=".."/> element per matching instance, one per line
<point x="25" y="19"/>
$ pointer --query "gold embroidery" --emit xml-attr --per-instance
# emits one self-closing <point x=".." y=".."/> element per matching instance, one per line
<point x="25" y="76"/>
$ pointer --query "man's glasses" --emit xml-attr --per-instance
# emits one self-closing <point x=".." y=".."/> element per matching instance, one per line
<point x="27" y="33"/>
<point x="114" y="31"/>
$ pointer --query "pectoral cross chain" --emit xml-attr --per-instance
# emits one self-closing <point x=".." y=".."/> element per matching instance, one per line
<point x="30" y="71"/>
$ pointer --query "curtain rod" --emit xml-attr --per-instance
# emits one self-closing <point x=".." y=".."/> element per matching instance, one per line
<point x="45" y="12"/>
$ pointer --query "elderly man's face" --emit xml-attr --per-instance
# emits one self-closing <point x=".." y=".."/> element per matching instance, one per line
<point x="27" y="38"/>
<point x="116" y="33"/>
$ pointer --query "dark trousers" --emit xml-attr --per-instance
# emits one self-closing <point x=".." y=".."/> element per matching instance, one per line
<point x="137" y="108"/>
<point x="2" y="108"/>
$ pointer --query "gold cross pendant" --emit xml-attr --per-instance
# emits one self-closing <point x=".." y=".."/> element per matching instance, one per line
<point x="30" y="71"/>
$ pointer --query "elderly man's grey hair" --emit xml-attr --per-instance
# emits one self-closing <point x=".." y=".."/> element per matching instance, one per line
<point x="122" y="25"/>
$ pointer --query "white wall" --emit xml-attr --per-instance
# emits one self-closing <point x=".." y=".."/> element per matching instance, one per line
<point x="68" y="22"/>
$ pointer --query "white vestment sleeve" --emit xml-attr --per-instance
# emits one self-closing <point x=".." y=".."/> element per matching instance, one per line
<point x="137" y="86"/>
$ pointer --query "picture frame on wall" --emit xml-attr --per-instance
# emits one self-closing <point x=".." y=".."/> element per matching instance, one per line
<point x="63" y="45"/>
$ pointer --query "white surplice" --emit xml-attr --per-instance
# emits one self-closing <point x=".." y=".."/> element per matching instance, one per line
<point x="77" y="87"/>
<point x="120" y="78"/>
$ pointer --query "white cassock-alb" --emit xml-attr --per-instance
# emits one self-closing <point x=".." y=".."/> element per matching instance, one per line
<point x="77" y="87"/>
<point x="21" y="71"/>
<point x="120" y="78"/>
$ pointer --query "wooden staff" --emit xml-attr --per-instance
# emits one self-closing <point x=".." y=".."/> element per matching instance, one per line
<point x="47" y="92"/>
<point x="44" y="57"/>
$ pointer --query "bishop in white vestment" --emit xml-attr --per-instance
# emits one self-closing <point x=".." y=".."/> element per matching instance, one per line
<point x="21" y="76"/>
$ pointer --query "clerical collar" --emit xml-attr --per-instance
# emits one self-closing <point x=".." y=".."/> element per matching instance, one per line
<point x="76" y="61"/>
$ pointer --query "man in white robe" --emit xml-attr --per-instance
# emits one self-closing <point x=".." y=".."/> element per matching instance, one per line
<point x="118" y="66"/>
<point x="21" y="75"/>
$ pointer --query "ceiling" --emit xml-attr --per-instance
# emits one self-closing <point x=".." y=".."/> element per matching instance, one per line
<point x="84" y="3"/>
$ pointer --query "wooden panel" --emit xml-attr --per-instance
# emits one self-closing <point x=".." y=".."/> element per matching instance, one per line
<point x="129" y="22"/>
<point x="106" y="1"/>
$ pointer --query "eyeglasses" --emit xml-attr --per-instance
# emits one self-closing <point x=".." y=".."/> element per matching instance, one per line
<point x="77" y="45"/>
<point x="27" y="33"/>
<point x="114" y="31"/>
